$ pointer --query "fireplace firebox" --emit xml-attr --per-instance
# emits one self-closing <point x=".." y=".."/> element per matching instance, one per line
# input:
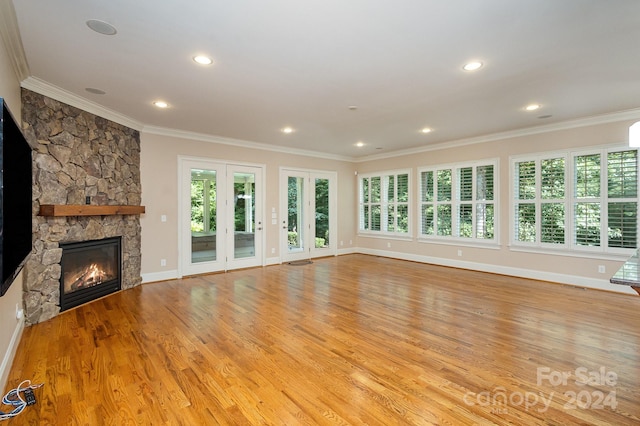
<point x="90" y="270"/>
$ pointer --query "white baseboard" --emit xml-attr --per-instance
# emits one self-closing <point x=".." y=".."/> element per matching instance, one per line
<point x="159" y="276"/>
<point x="272" y="261"/>
<point x="7" y="361"/>
<point x="349" y="250"/>
<point x="599" y="284"/>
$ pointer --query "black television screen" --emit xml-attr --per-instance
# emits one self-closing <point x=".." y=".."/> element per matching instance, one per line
<point x="15" y="199"/>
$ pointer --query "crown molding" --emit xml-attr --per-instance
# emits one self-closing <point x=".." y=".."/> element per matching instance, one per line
<point x="40" y="86"/>
<point x="162" y="131"/>
<point x="631" y="114"/>
<point x="10" y="34"/>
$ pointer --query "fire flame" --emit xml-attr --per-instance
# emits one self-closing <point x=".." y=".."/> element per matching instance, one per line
<point x="88" y="277"/>
<point x="95" y="274"/>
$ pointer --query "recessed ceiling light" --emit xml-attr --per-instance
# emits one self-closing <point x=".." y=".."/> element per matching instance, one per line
<point x="161" y="104"/>
<point x="287" y="130"/>
<point x="472" y="66"/>
<point x="95" y="91"/>
<point x="426" y="130"/>
<point x="532" y="107"/>
<point x="203" y="60"/>
<point x="101" y="27"/>
<point x="360" y="144"/>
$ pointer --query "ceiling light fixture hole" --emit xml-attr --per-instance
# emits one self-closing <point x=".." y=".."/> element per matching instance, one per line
<point x="203" y="60"/>
<point x="101" y="27"/>
<point x="472" y="66"/>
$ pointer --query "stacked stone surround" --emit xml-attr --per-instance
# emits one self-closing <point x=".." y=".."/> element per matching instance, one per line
<point x="77" y="155"/>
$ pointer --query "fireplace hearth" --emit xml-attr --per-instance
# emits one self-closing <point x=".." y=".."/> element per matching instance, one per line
<point x="90" y="270"/>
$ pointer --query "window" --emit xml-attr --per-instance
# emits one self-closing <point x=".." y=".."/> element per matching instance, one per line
<point x="577" y="200"/>
<point x="540" y="202"/>
<point x="457" y="202"/>
<point x="384" y="203"/>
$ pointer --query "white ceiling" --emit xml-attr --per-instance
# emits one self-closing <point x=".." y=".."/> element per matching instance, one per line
<point x="302" y="63"/>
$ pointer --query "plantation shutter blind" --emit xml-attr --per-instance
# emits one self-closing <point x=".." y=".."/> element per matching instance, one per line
<point x="525" y="211"/>
<point x="587" y="210"/>
<point x="622" y="192"/>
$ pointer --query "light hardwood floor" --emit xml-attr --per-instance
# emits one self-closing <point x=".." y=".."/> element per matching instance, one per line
<point x="349" y="340"/>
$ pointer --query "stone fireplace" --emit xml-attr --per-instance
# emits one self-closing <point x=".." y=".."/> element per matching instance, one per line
<point x="78" y="157"/>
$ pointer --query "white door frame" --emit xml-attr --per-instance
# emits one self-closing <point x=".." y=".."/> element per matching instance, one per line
<point x="309" y="249"/>
<point x="185" y="266"/>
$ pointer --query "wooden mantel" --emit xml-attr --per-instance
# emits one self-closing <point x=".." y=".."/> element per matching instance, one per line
<point x="59" y="210"/>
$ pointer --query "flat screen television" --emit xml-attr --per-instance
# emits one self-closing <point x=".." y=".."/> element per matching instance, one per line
<point x="15" y="199"/>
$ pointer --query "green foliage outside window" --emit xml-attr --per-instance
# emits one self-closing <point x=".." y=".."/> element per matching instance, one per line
<point x="588" y="199"/>
<point x="199" y="216"/>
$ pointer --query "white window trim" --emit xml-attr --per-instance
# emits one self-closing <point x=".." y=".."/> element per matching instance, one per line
<point x="455" y="202"/>
<point x="569" y="248"/>
<point x="383" y="218"/>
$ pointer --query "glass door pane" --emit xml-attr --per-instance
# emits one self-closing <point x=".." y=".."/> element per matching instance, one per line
<point x="203" y="215"/>
<point x="322" y="213"/>
<point x="244" y="215"/>
<point x="295" y="214"/>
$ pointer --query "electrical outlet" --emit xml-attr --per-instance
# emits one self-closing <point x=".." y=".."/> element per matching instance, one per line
<point x="388" y="245"/>
<point x="163" y="262"/>
<point x="460" y="253"/>
<point x="341" y="243"/>
<point x="273" y="250"/>
<point x="19" y="311"/>
<point x="601" y="269"/>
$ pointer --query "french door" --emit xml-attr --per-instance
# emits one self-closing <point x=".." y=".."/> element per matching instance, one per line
<point x="245" y="228"/>
<point x="220" y="216"/>
<point x="308" y="213"/>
